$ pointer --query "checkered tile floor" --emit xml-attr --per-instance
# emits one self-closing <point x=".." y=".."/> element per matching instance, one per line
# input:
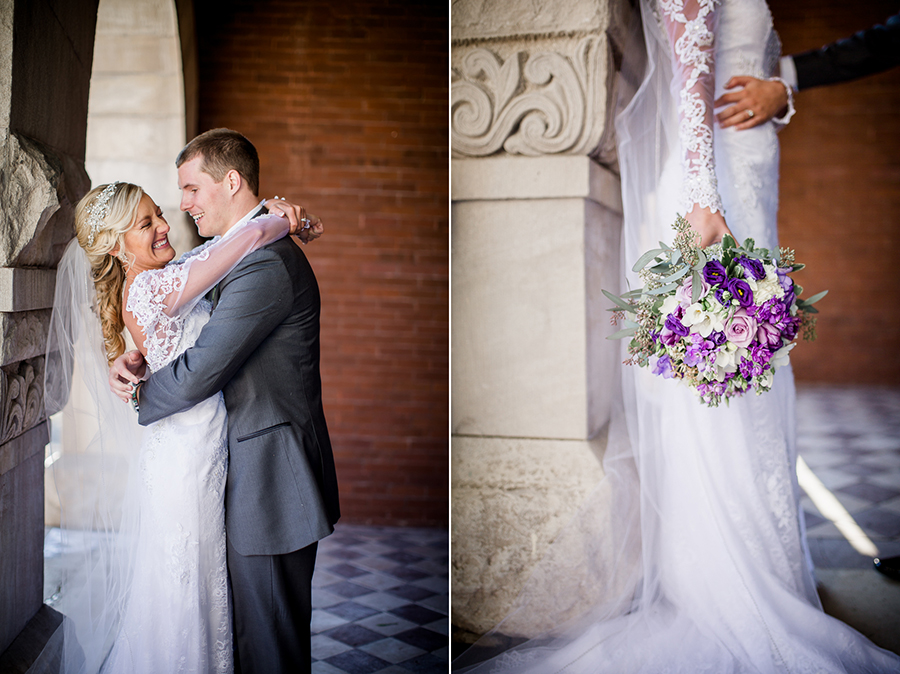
<point x="380" y="601"/>
<point x="850" y="438"/>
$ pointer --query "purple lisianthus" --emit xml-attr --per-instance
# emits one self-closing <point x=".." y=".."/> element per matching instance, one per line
<point x="741" y="290"/>
<point x="714" y="273"/>
<point x="717" y="338"/>
<point x="753" y="266"/>
<point x="663" y="367"/>
<point x="723" y="296"/>
<point x="786" y="281"/>
<point x="676" y="326"/>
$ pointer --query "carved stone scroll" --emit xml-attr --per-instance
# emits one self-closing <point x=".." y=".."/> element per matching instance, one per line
<point x="21" y="392"/>
<point x="531" y="104"/>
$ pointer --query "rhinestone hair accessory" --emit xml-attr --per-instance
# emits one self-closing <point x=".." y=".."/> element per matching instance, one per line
<point x="99" y="208"/>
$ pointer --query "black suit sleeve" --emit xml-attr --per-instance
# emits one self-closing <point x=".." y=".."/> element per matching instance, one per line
<point x="865" y="53"/>
<point x="255" y="298"/>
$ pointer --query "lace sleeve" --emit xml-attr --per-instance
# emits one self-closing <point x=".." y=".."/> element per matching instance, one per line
<point x="215" y="260"/>
<point x="147" y="302"/>
<point x="690" y="25"/>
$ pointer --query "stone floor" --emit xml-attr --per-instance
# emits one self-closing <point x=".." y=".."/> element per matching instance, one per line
<point x="380" y="599"/>
<point x="850" y="439"/>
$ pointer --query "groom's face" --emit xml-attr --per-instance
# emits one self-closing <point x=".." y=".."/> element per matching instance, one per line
<point x="207" y="201"/>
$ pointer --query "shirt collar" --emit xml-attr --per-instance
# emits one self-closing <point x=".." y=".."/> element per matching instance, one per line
<point x="245" y="219"/>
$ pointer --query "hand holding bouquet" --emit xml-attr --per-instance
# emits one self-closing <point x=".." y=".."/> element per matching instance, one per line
<point x="722" y="319"/>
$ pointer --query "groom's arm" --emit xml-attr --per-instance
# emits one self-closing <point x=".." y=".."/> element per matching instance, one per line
<point x="255" y="298"/>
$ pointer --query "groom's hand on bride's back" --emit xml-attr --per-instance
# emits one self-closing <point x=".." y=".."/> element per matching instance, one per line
<point x="126" y="371"/>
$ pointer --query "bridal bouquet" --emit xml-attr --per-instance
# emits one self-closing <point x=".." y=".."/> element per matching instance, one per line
<point x="722" y="319"/>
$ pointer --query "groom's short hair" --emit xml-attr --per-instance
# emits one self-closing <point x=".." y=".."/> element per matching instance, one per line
<point x="223" y="150"/>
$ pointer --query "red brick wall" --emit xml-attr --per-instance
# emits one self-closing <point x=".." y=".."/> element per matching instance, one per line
<point x="347" y="104"/>
<point x="840" y="200"/>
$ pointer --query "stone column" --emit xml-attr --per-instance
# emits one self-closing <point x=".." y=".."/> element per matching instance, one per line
<point x="536" y="221"/>
<point x="45" y="65"/>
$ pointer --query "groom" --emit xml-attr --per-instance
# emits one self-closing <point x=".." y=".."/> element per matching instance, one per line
<point x="261" y="349"/>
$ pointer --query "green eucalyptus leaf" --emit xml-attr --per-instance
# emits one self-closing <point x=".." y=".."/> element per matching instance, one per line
<point x="701" y="260"/>
<point x="797" y="267"/>
<point x="815" y="298"/>
<point x="644" y="259"/>
<point x="696" y="287"/>
<point x="677" y="275"/>
<point x="627" y="332"/>
<point x="663" y="289"/>
<point x="622" y="304"/>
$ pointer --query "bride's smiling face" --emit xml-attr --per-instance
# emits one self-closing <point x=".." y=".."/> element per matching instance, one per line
<point x="146" y="243"/>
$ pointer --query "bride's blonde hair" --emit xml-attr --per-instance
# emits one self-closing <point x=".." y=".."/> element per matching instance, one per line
<point x="101" y="219"/>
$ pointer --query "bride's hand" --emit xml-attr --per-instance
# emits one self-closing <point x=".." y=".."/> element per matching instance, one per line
<point x="710" y="226"/>
<point x="126" y="371"/>
<point x="306" y="226"/>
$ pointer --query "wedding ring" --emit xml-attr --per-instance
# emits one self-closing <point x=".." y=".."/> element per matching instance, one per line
<point x="749" y="114"/>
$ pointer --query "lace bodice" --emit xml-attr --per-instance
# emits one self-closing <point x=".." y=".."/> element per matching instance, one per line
<point x="164" y="334"/>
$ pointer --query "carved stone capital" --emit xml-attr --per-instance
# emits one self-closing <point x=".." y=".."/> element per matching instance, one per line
<point x="533" y="102"/>
<point x="21" y="394"/>
<point x="23" y="335"/>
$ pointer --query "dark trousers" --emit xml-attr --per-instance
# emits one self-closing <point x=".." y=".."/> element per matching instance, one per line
<point x="272" y="610"/>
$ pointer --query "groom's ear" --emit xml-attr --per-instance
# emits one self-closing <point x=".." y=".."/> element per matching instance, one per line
<point x="233" y="181"/>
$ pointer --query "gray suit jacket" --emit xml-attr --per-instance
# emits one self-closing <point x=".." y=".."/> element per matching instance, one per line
<point x="261" y="348"/>
<point x="865" y="53"/>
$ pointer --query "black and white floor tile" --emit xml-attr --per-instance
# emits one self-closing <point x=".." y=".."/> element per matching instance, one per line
<point x="850" y="438"/>
<point x="381" y="601"/>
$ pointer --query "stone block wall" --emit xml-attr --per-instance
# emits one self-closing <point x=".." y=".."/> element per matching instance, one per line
<point x="536" y="223"/>
<point x="45" y="59"/>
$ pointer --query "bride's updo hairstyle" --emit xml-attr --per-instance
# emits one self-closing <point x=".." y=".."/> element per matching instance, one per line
<point x="101" y="219"/>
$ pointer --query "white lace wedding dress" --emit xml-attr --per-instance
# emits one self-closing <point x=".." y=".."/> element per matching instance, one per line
<point x="150" y="592"/>
<point x="177" y="618"/>
<point x="702" y="564"/>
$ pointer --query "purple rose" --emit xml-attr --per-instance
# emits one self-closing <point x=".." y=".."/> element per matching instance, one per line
<point x="741" y="329"/>
<point x="741" y="290"/>
<point x="753" y="266"/>
<point x="714" y="272"/>
<point x="717" y="338"/>
<point x="768" y="335"/>
<point x="663" y="367"/>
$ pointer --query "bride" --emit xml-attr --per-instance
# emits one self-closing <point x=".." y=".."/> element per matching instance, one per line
<point x="151" y="594"/>
<point x="702" y="564"/>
